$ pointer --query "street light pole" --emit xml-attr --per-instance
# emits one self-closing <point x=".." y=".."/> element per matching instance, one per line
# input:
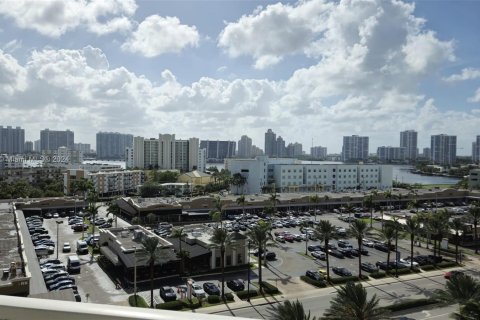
<point x="59" y="222"/>
<point x="248" y="274"/>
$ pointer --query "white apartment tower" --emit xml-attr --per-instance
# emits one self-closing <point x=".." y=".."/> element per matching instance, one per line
<point x="193" y="153"/>
<point x="166" y="151"/>
<point x="476" y="150"/>
<point x="408" y="140"/>
<point x="355" y="148"/>
<point x="443" y="149"/>
<point x="245" y="147"/>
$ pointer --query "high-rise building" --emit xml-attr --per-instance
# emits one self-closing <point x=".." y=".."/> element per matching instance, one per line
<point x="12" y="140"/>
<point x="36" y="145"/>
<point x="218" y="150"/>
<point x="427" y="153"/>
<point x="28" y="146"/>
<point x="270" y="143"/>
<point x="387" y="154"/>
<point x="476" y="150"/>
<point x="166" y="151"/>
<point x="150" y="154"/>
<point x="52" y="139"/>
<point x="83" y="147"/>
<point x="355" y="148"/>
<point x="408" y="140"/>
<point x="294" y="150"/>
<point x="193" y="154"/>
<point x="281" y="150"/>
<point x="202" y="160"/>
<point x="111" y="145"/>
<point x="443" y="149"/>
<point x="256" y="151"/>
<point x="244" y="147"/>
<point x="318" y="152"/>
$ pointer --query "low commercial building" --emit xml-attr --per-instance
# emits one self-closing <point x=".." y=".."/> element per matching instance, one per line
<point x="474" y="179"/>
<point x="195" y="178"/>
<point x="164" y="209"/>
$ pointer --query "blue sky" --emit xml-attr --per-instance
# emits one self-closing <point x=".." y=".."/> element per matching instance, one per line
<point x="222" y="69"/>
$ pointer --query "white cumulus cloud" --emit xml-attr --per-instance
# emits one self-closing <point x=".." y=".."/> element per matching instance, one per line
<point x="158" y="35"/>
<point x="466" y="74"/>
<point x="476" y="96"/>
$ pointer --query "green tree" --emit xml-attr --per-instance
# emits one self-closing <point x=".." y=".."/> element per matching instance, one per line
<point x="351" y="302"/>
<point x="368" y="202"/>
<point x="412" y="227"/>
<point x="315" y="199"/>
<point x="238" y="180"/>
<point x="469" y="311"/>
<point x="325" y="231"/>
<point x="216" y="213"/>
<point x="458" y="226"/>
<point x="221" y="239"/>
<point x="180" y="233"/>
<point x="358" y="229"/>
<point x="273" y="201"/>
<point x="388" y="234"/>
<point x="241" y="202"/>
<point x="459" y="289"/>
<point x="151" y="217"/>
<point x="288" y="311"/>
<point x="304" y="226"/>
<point x="260" y="238"/>
<point x="113" y="209"/>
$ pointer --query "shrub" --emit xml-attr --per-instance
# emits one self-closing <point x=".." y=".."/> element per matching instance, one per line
<point x="212" y="299"/>
<point x="446" y="264"/>
<point x="399" y="271"/>
<point x="378" y="274"/>
<point x="139" y="302"/>
<point x="427" y="267"/>
<point x="229" y="296"/>
<point x="410" y="304"/>
<point x="244" y="294"/>
<point x="269" y="288"/>
<point x="171" y="305"/>
<point x="343" y="280"/>
<point x="316" y="283"/>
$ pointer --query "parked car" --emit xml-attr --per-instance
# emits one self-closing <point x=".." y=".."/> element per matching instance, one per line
<point x="59" y="284"/>
<point x="59" y="273"/>
<point x="167" y="294"/>
<point x="53" y="281"/>
<point x="211" y="288"/>
<point x="66" y="247"/>
<point x="236" y="285"/>
<point x="197" y="290"/>
<point x="369" y="267"/>
<point x="270" y="255"/>
<point x="381" y="247"/>
<point x="346" y="252"/>
<point x="361" y="251"/>
<point x="80" y="227"/>
<point x="336" y="253"/>
<point x="318" y="254"/>
<point x="384" y="266"/>
<point x="343" y="272"/>
<point x="314" y="248"/>
<point x="454" y="273"/>
<point x="280" y="239"/>
<point x="314" y="275"/>
<point x="407" y="263"/>
<point x="343" y="244"/>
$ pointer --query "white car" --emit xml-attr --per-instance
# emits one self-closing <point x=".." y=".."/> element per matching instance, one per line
<point x="66" y="247"/>
<point x="318" y="255"/>
<point x="280" y="239"/>
<point x="368" y="243"/>
<point x="197" y="290"/>
<point x="406" y="263"/>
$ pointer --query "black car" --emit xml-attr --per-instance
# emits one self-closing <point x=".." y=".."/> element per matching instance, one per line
<point x="343" y="272"/>
<point x="369" y="267"/>
<point x="167" y="294"/>
<point x="314" y="248"/>
<point x="211" y="288"/>
<point x="236" y="285"/>
<point x="347" y="252"/>
<point x="336" y="253"/>
<point x="343" y="244"/>
<point x="270" y="255"/>
<point x="384" y="266"/>
<point x="314" y="275"/>
<point x="381" y="247"/>
<point x="362" y="251"/>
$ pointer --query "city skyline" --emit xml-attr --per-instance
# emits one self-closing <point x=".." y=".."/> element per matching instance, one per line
<point x="237" y="72"/>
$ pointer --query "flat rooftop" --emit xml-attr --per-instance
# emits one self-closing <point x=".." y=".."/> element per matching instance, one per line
<point x="129" y="237"/>
<point x="8" y="244"/>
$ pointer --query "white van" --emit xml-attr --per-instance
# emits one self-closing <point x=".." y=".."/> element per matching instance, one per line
<point x="73" y="264"/>
<point x="82" y="247"/>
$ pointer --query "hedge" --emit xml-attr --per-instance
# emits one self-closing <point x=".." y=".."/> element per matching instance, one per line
<point x="343" y="280"/>
<point x="244" y="294"/>
<point x="410" y="304"/>
<point x="446" y="264"/>
<point x="378" y="274"/>
<point x="229" y="296"/>
<point x="171" y="305"/>
<point x="399" y="272"/>
<point x="428" y="267"/>
<point x="316" y="283"/>
<point x="269" y="288"/>
<point x="212" y="299"/>
<point x="140" y="302"/>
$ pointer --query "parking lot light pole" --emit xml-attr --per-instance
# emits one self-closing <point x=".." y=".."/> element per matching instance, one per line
<point x="59" y="222"/>
<point x="248" y="273"/>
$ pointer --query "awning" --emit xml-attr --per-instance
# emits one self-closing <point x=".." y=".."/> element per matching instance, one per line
<point x="110" y="255"/>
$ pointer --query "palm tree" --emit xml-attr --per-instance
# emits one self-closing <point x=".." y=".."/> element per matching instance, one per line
<point x="412" y="226"/>
<point x="216" y="214"/>
<point x="474" y="217"/>
<point x="358" y="230"/>
<point x="241" y="202"/>
<point x="260" y="238"/>
<point x="457" y="225"/>
<point x="304" y="225"/>
<point x="273" y="200"/>
<point x="315" y="199"/>
<point x="468" y="311"/>
<point x="151" y="217"/>
<point x="325" y="231"/>
<point x="459" y="289"/>
<point x="113" y="209"/>
<point x="388" y="234"/>
<point x="351" y="302"/>
<point x="180" y="233"/>
<point x="221" y="239"/>
<point x="439" y="226"/>
<point x="368" y="202"/>
<point x="388" y="195"/>
<point x="288" y="311"/>
<point x="152" y="255"/>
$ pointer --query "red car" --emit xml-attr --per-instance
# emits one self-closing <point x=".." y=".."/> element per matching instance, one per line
<point x="454" y="273"/>
<point x="289" y="237"/>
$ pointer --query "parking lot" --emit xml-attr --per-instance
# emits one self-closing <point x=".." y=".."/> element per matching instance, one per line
<point x="290" y="262"/>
